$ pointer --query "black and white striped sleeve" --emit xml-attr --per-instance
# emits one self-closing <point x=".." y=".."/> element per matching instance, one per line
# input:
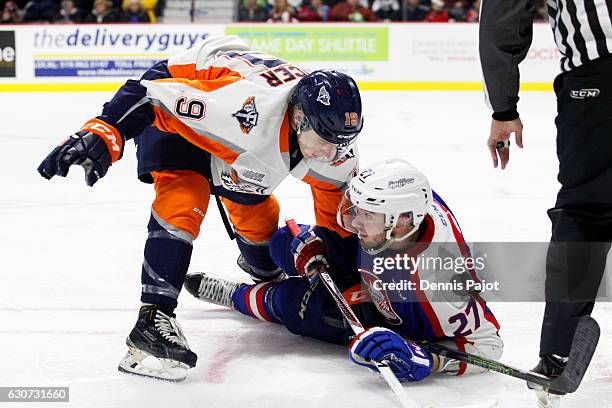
<point x="582" y="29"/>
<point x="506" y="29"/>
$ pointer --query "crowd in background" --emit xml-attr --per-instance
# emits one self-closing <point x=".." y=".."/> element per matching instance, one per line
<point x="144" y="11"/>
<point x="358" y="10"/>
<point x="439" y="11"/>
<point x="81" y="11"/>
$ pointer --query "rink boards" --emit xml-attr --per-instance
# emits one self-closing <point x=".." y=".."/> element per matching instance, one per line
<point x="399" y="56"/>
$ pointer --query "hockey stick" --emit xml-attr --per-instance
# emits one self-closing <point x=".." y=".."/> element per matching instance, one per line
<point x="356" y="325"/>
<point x="583" y="346"/>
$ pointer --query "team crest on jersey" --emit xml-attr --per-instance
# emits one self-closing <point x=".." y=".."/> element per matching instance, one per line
<point x="380" y="297"/>
<point x="323" y="96"/>
<point x="247" y="116"/>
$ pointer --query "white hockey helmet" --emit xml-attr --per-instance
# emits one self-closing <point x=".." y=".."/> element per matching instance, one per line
<point x="392" y="188"/>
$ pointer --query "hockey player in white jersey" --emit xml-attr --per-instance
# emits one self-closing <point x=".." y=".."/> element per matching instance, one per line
<point x="394" y="212"/>
<point x="218" y="119"/>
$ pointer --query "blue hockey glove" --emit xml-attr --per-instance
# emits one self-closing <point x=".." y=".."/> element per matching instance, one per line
<point x="308" y="251"/>
<point x="408" y="361"/>
<point x="95" y="148"/>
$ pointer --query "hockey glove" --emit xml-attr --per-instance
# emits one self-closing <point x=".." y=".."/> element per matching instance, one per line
<point x="308" y="252"/>
<point x="408" y="361"/>
<point x="95" y="148"/>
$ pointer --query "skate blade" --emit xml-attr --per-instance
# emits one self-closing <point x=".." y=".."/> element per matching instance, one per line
<point x="144" y="364"/>
<point x="547" y="400"/>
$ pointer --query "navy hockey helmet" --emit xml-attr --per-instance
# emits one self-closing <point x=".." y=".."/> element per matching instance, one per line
<point x="331" y="102"/>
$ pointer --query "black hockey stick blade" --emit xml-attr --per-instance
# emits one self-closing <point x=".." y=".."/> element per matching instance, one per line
<point x="583" y="346"/>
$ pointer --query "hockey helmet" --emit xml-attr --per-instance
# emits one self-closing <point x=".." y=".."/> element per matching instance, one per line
<point x="331" y="104"/>
<point x="391" y="188"/>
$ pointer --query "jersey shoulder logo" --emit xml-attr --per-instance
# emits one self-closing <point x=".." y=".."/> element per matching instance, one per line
<point x="323" y="96"/>
<point x="247" y="116"/>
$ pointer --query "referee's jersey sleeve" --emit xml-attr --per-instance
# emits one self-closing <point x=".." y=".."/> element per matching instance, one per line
<point x="505" y="33"/>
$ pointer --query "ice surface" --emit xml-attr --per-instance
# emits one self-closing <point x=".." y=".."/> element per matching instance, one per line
<point x="70" y="265"/>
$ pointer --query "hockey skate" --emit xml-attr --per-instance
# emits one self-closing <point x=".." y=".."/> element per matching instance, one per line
<point x="550" y="366"/>
<point x="212" y="289"/>
<point x="157" y="347"/>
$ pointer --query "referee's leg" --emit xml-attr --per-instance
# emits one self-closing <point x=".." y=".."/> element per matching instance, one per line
<point x="582" y="216"/>
<point x="574" y="270"/>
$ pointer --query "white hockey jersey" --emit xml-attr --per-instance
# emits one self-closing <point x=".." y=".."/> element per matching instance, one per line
<point x="422" y="298"/>
<point x="232" y="102"/>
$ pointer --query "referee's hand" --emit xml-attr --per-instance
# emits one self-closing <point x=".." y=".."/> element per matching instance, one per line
<point x="500" y="132"/>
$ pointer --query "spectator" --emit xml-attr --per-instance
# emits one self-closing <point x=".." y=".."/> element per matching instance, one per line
<point x="458" y="11"/>
<point x="251" y="10"/>
<point x="351" y="10"/>
<point x="437" y="13"/>
<point x="474" y="12"/>
<point x="414" y="11"/>
<point x="68" y="13"/>
<point x="296" y="4"/>
<point x="159" y="8"/>
<point x="40" y="11"/>
<point x="282" y="12"/>
<point x="386" y="9"/>
<point x="103" y="12"/>
<point x="10" y="13"/>
<point x="149" y="7"/>
<point x="315" y="11"/>
<point x="134" y="13"/>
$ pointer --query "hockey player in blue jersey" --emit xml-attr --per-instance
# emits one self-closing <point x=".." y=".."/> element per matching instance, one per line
<point x="393" y="211"/>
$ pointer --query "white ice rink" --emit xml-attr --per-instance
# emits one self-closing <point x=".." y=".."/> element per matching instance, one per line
<point x="71" y="255"/>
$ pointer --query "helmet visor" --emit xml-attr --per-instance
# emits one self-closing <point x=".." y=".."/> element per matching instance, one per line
<point x="369" y="226"/>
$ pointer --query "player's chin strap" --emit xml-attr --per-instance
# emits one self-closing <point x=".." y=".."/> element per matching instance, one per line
<point x="391" y="240"/>
<point x="349" y="315"/>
